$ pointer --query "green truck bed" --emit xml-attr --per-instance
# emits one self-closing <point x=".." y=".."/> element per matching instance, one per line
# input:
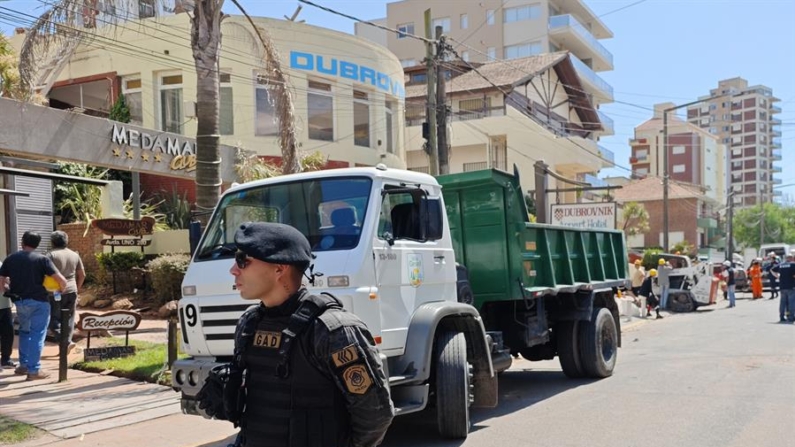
<point x="509" y="258"/>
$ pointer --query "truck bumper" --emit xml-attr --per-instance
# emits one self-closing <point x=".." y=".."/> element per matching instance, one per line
<point x="187" y="377"/>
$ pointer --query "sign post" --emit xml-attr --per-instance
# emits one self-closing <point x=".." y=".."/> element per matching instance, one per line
<point x="115" y="320"/>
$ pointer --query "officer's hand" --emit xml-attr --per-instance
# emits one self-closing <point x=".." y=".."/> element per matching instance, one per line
<point x="211" y="395"/>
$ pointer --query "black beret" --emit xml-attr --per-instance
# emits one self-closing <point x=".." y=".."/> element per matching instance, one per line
<point x="274" y="243"/>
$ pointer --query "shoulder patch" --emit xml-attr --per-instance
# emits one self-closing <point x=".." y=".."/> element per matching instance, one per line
<point x="344" y="356"/>
<point x="357" y="379"/>
<point x="268" y="339"/>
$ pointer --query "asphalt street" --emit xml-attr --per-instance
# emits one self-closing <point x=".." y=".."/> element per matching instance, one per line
<point x="716" y="377"/>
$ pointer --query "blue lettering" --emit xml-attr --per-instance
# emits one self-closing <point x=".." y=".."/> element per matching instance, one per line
<point x="349" y="70"/>
<point x="383" y="81"/>
<point x="301" y="61"/>
<point x="332" y="70"/>
<point x="365" y="74"/>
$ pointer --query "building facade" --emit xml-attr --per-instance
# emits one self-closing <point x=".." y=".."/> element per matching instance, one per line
<point x="695" y="156"/>
<point x="503" y="116"/>
<point x="743" y="118"/>
<point x="490" y="30"/>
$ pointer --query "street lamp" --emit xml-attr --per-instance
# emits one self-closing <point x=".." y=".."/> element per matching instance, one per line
<point x="665" y="156"/>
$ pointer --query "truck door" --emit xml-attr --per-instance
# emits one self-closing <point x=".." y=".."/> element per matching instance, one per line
<point x="413" y="258"/>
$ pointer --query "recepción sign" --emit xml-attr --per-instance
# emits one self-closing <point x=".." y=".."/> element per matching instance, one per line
<point x="585" y="215"/>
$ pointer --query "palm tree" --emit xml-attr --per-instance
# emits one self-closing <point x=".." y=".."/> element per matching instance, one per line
<point x="60" y="30"/>
<point x="9" y="72"/>
<point x="635" y="219"/>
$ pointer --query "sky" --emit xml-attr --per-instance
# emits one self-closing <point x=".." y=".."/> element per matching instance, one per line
<point x="663" y="50"/>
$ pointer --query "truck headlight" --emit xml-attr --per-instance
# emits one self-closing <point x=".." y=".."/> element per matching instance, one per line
<point x="188" y="290"/>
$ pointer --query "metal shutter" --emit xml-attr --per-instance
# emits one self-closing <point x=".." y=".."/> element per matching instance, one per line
<point x="33" y="213"/>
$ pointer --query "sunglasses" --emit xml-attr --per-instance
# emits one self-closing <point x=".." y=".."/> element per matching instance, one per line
<point x="241" y="259"/>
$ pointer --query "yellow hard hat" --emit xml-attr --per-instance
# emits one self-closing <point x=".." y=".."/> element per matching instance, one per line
<point x="50" y="284"/>
<point x="637" y="262"/>
<point x="652" y="272"/>
<point x="661" y="261"/>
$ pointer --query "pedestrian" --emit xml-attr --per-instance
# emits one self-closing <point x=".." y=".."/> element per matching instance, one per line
<point x="772" y="275"/>
<point x="754" y="272"/>
<point x="664" y="281"/>
<point x="637" y="277"/>
<point x="786" y="308"/>
<point x="646" y="291"/>
<point x="309" y="372"/>
<point x="728" y="275"/>
<point x="26" y="270"/>
<point x="71" y="267"/>
<point x="6" y="329"/>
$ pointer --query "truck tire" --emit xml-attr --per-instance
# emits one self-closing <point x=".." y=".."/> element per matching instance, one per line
<point x="453" y="385"/>
<point x="567" y="336"/>
<point x="681" y="302"/>
<point x="598" y="341"/>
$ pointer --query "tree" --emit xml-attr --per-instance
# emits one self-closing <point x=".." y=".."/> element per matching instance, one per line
<point x="9" y="71"/>
<point x="60" y="29"/>
<point x="779" y="224"/>
<point x="634" y="219"/>
<point x="249" y="167"/>
<point x="120" y="111"/>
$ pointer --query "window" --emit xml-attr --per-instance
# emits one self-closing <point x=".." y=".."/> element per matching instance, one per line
<point x="464" y="22"/>
<point x="678" y="169"/>
<point x="520" y="13"/>
<point x="491" y="52"/>
<point x="266" y="122"/>
<point x="321" y="111"/>
<point x="361" y="119"/>
<point x="642" y="154"/>
<point x="524" y="50"/>
<point x="146" y="8"/>
<point x="641" y="171"/>
<point x="404" y="29"/>
<point x="131" y="89"/>
<point x="402" y="215"/>
<point x="419" y="77"/>
<point x="465" y="56"/>
<point x="390" y="126"/>
<point x="227" y="109"/>
<point x="490" y="17"/>
<point x="405" y="63"/>
<point x="677" y="150"/>
<point x="444" y="22"/>
<point x="171" y="103"/>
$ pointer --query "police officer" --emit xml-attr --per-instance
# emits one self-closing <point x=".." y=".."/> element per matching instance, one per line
<point x="312" y="376"/>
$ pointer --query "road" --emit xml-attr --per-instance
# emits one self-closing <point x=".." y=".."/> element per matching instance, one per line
<point x="717" y="377"/>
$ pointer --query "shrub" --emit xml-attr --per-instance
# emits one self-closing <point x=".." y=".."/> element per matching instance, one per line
<point x="167" y="272"/>
<point x="650" y="258"/>
<point x="122" y="261"/>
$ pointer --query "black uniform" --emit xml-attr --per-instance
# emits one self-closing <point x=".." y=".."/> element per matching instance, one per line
<point x="330" y="391"/>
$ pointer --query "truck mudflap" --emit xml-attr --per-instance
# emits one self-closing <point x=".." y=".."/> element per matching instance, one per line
<point x="415" y="365"/>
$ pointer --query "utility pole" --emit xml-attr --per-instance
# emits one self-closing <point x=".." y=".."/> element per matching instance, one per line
<point x="541" y="183"/>
<point x="730" y="223"/>
<point x="761" y="218"/>
<point x="429" y="127"/>
<point x="441" y="104"/>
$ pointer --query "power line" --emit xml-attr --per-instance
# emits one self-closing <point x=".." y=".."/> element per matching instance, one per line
<point x="622" y="8"/>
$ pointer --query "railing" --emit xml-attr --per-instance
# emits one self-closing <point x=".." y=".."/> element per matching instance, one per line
<point x="607" y="123"/>
<point x="461" y="115"/>
<point x="775" y="109"/>
<point x="423" y="169"/>
<point x="593" y="180"/>
<point x="476" y="166"/>
<point x="607" y="154"/>
<point x="568" y="21"/>
<point x="777" y="169"/>
<point x="590" y="75"/>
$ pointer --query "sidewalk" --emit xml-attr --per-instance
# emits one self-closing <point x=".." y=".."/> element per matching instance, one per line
<point x="97" y="410"/>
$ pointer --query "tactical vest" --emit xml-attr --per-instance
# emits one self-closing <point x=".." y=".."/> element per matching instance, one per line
<point x="289" y="402"/>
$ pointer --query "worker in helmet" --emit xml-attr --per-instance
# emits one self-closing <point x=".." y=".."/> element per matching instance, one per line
<point x="638" y="275"/>
<point x="755" y="273"/>
<point x="663" y="280"/>
<point x="646" y="291"/>
<point x="728" y="275"/>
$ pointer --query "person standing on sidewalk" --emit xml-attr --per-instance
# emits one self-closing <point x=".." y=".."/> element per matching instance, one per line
<point x="26" y="270"/>
<point x="755" y="274"/>
<point x="6" y="329"/>
<point x="664" y="281"/>
<point x="305" y="373"/>
<point x="728" y="274"/>
<point x="772" y="275"/>
<point x="786" y="308"/>
<point x="71" y="267"/>
<point x="637" y="277"/>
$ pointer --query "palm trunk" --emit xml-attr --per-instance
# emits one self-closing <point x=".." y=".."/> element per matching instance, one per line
<point x="206" y="42"/>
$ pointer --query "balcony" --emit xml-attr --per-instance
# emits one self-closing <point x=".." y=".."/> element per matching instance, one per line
<point x="602" y="91"/>
<point x="775" y="122"/>
<point x="776" y="141"/>
<point x="568" y="33"/>
<point x="776" y="169"/>
<point x="607" y="124"/>
<point x="416" y="119"/>
<point x="777" y="181"/>
<point x="593" y="180"/>
<point x="778" y="193"/>
<point x="608" y="155"/>
<point x="775" y="109"/>
<point x="776" y="154"/>
<point x="775" y="133"/>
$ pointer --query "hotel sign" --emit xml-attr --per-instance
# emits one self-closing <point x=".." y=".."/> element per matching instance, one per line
<point x="181" y="153"/>
<point x="585" y="215"/>
<point x="332" y="66"/>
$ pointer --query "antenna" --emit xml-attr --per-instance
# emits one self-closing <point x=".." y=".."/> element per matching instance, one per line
<point x="295" y="15"/>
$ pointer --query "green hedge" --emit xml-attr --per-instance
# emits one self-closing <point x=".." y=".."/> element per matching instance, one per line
<point x="166" y="272"/>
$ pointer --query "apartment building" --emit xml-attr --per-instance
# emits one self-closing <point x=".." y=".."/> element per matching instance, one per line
<point x="695" y="157"/>
<point x="491" y="30"/>
<point x="743" y="118"/>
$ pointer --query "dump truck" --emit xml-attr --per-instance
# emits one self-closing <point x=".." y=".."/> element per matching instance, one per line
<point x="448" y="273"/>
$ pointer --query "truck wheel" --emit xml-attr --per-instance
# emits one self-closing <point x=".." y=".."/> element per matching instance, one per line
<point x="566" y="333"/>
<point x="598" y="341"/>
<point x="680" y="302"/>
<point x="453" y="385"/>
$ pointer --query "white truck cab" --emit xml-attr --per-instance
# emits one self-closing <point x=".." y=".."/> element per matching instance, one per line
<point x="384" y="247"/>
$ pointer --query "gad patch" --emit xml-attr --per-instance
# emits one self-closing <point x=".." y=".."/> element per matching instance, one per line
<point x="345" y="356"/>
<point x="357" y="379"/>
<point x="267" y="339"/>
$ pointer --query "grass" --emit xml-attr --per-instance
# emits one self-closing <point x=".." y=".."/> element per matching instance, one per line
<point x="13" y="432"/>
<point x="147" y="365"/>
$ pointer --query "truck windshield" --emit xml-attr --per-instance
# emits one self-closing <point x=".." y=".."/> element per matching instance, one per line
<point x="329" y="212"/>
